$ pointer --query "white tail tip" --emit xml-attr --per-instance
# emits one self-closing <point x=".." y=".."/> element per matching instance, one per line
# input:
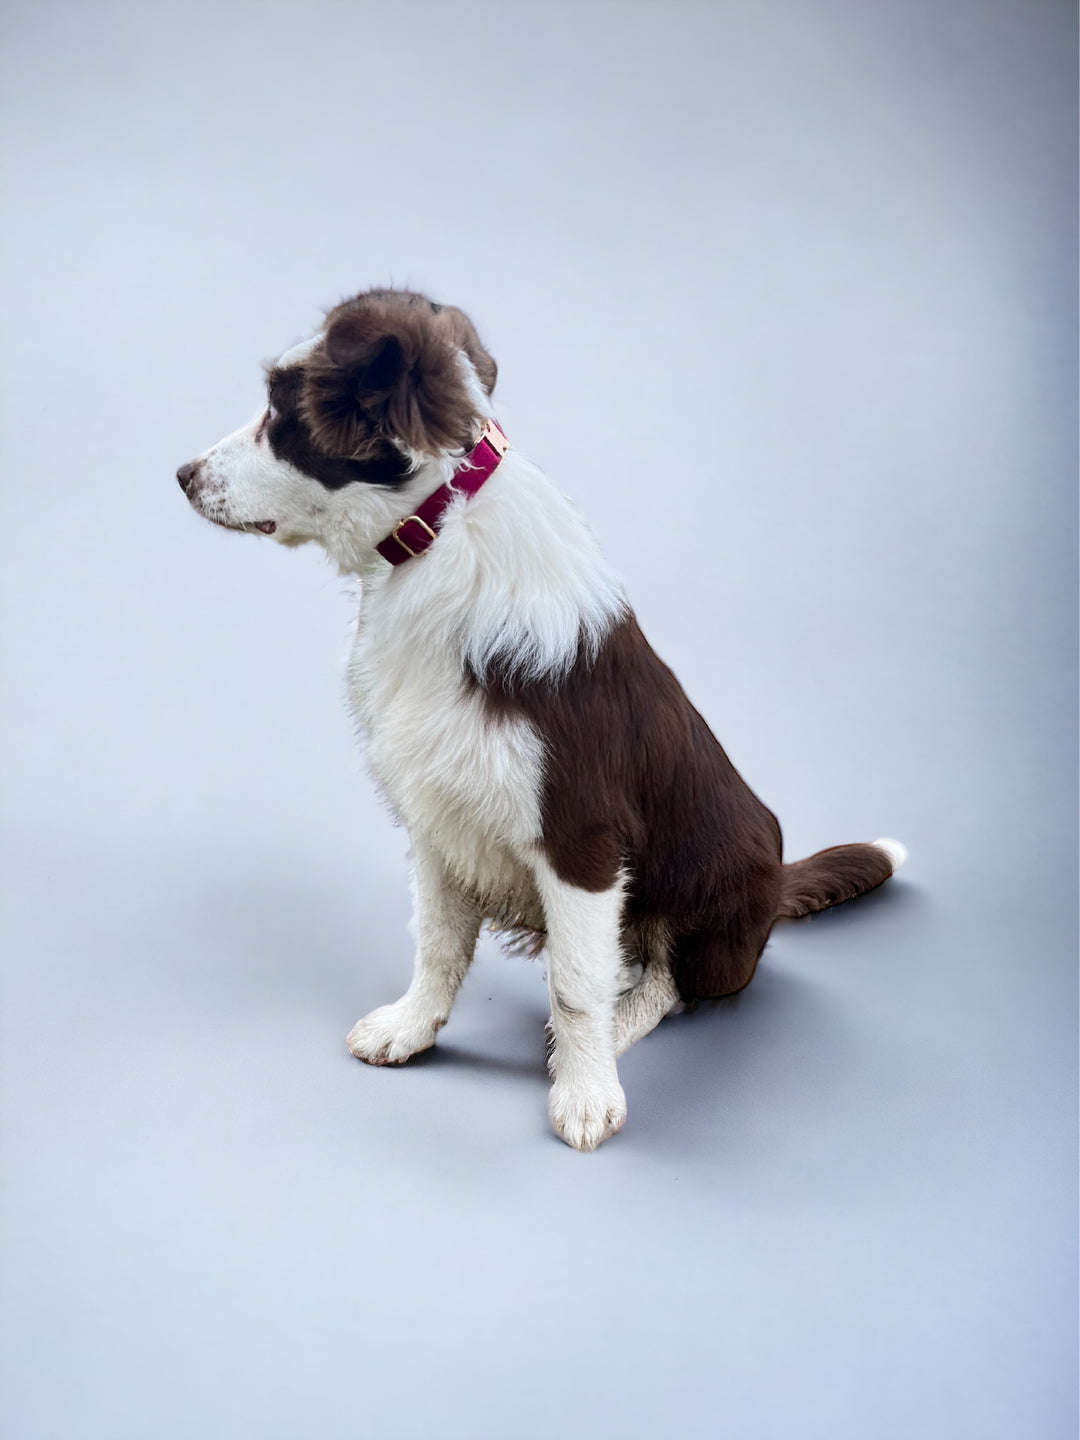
<point x="896" y="852"/>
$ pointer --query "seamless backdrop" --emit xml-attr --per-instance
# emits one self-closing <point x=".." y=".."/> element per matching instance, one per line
<point x="784" y="294"/>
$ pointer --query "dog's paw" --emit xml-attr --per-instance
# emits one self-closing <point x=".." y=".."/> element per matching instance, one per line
<point x="392" y="1034"/>
<point x="584" y="1116"/>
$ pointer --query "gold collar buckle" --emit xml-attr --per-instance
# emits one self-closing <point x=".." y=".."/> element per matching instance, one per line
<point x="409" y="519"/>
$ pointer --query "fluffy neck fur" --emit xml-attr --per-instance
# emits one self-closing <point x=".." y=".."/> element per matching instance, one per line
<point x="516" y="577"/>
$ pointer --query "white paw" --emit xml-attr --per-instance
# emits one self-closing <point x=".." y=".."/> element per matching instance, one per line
<point x="583" y="1116"/>
<point x="391" y="1034"/>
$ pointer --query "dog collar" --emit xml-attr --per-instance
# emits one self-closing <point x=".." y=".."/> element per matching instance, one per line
<point x="413" y="535"/>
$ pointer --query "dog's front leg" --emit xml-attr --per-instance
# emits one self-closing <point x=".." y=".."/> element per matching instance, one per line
<point x="447" y="925"/>
<point x="587" y="1103"/>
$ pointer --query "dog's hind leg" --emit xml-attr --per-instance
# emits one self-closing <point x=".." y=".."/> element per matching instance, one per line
<point x="447" y="926"/>
<point x="708" y="964"/>
<point x="641" y="1009"/>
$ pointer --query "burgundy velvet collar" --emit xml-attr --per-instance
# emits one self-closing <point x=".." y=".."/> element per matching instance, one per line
<point x="413" y="535"/>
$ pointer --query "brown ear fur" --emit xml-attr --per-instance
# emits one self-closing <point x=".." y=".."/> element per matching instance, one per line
<point x="390" y="364"/>
<point x="466" y="338"/>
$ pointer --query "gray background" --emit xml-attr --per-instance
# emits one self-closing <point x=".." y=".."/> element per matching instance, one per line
<point x="783" y="294"/>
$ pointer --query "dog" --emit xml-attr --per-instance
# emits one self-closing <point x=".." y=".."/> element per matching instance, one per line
<point x="554" y="779"/>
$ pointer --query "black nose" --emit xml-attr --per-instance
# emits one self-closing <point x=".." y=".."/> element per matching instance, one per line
<point x="186" y="474"/>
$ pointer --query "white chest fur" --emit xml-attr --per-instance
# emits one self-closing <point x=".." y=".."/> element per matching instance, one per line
<point x="467" y="783"/>
<point x="517" y="575"/>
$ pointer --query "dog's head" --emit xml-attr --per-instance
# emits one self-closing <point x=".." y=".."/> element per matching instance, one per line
<point x="351" y="416"/>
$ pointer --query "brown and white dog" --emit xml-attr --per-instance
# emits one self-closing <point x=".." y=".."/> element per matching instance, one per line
<point x="553" y="776"/>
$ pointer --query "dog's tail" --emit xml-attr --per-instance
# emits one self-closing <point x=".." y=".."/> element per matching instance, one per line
<point x="832" y="876"/>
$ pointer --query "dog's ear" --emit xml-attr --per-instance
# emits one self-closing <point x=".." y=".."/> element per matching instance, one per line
<point x="389" y="369"/>
<point x="466" y="338"/>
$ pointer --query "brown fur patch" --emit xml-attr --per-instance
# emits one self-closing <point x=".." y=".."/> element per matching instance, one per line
<point x="465" y="337"/>
<point x="389" y="367"/>
<point x="373" y="461"/>
<point x="635" y="779"/>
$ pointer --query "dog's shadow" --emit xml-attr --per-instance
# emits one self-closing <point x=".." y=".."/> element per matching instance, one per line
<point x="279" y="939"/>
<point x="460" y="1057"/>
<point x="779" y="1054"/>
<point x="781" y="1043"/>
